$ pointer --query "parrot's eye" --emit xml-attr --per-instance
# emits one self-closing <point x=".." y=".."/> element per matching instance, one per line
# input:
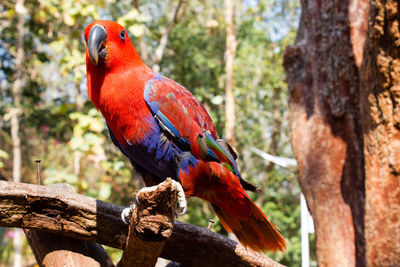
<point x="122" y="35"/>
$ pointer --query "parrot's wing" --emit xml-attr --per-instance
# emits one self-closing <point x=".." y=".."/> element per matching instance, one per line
<point x="182" y="116"/>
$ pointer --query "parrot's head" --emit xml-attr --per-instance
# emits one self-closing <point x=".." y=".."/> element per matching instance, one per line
<point x="108" y="46"/>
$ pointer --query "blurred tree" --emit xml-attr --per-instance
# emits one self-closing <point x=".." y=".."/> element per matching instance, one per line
<point x="142" y="48"/>
<point x="231" y="45"/>
<point x="166" y="32"/>
<point x="15" y="115"/>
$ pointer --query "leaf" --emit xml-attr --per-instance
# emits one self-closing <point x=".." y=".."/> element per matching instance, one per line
<point x="3" y="154"/>
<point x="105" y="191"/>
<point x="137" y="30"/>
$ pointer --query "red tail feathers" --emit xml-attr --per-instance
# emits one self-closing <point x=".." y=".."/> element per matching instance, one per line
<point x="215" y="183"/>
<point x="254" y="231"/>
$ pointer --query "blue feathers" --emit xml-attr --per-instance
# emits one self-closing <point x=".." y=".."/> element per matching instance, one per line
<point x="162" y="120"/>
<point x="157" y="154"/>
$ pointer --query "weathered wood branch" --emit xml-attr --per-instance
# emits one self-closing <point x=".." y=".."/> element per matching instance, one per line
<point x="47" y="209"/>
<point x="57" y="250"/>
<point x="151" y="224"/>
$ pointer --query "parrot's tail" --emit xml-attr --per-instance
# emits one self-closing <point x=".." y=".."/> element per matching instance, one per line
<point x="252" y="229"/>
<point x="215" y="183"/>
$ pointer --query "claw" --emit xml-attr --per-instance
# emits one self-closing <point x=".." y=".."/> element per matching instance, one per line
<point x="182" y="205"/>
<point x="125" y="214"/>
<point x="137" y="199"/>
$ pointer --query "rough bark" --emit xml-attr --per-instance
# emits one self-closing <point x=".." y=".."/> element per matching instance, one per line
<point x="380" y="109"/>
<point x="15" y="114"/>
<point x="150" y="226"/>
<point x="323" y="76"/>
<point x="343" y="75"/>
<point x="57" y="250"/>
<point x="230" y="54"/>
<point x="47" y="209"/>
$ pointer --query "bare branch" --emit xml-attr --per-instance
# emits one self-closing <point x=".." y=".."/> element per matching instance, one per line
<point x="57" y="250"/>
<point x="150" y="225"/>
<point x="159" y="53"/>
<point x="54" y="210"/>
<point x="142" y="44"/>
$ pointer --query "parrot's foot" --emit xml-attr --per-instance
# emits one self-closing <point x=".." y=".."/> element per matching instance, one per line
<point x="180" y="210"/>
<point x="182" y="205"/>
<point x="126" y="213"/>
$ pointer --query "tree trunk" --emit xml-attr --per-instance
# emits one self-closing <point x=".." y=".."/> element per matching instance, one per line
<point x="230" y="54"/>
<point x="323" y="78"/>
<point x="344" y="120"/>
<point x="380" y="111"/>
<point x="15" y="112"/>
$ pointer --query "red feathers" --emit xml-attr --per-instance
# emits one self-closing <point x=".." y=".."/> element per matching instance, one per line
<point x="237" y="213"/>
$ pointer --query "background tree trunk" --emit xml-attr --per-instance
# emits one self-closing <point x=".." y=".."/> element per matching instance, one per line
<point x="14" y="120"/>
<point x="380" y="111"/>
<point x="344" y="119"/>
<point x="230" y="54"/>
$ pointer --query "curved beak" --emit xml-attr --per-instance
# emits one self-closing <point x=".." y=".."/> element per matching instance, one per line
<point x="97" y="50"/>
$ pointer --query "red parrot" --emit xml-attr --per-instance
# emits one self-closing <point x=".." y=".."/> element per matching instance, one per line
<point x="165" y="132"/>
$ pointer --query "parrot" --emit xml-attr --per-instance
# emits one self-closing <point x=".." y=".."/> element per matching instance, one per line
<point x="166" y="132"/>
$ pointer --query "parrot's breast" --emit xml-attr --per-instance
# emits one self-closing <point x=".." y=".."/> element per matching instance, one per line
<point x="157" y="154"/>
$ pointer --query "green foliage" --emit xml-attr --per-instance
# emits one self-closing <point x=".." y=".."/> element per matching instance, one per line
<point x="3" y="155"/>
<point x="60" y="126"/>
<point x="87" y="133"/>
<point x="6" y="247"/>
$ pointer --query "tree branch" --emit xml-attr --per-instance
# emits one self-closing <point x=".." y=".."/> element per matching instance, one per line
<point x="166" y="32"/>
<point x="142" y="44"/>
<point x="54" y="210"/>
<point x="57" y="250"/>
<point x="150" y="225"/>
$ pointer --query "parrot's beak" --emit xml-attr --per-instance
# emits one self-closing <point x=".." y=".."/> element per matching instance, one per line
<point x="96" y="48"/>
